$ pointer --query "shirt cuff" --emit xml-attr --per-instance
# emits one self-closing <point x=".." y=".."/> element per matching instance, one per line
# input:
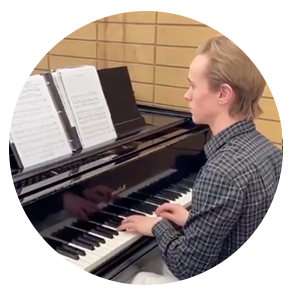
<point x="164" y="230"/>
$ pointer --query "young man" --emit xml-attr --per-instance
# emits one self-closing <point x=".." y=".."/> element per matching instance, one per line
<point x="236" y="186"/>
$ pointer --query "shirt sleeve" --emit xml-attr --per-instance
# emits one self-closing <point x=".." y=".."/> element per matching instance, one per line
<point x="216" y="206"/>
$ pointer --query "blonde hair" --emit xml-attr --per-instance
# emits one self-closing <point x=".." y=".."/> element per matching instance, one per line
<point x="230" y="65"/>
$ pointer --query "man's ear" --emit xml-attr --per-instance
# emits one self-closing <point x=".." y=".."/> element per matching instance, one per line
<point x="225" y="95"/>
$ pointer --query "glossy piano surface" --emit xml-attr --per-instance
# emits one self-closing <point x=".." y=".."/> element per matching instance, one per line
<point x="157" y="165"/>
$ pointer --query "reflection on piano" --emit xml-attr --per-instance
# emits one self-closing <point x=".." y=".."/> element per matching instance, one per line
<point x="155" y="164"/>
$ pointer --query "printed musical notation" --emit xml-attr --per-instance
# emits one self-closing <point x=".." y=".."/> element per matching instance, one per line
<point x="36" y="129"/>
<point x="88" y="105"/>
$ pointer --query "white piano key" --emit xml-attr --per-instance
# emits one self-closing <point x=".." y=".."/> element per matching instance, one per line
<point x="94" y="257"/>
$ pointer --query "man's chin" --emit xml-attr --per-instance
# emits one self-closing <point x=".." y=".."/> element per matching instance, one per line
<point x="196" y="120"/>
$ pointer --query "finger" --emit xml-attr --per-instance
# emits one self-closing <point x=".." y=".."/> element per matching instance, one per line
<point x="81" y="214"/>
<point x="164" y="207"/>
<point x="125" y="226"/>
<point x="131" y="230"/>
<point x="89" y="207"/>
<point x="132" y="219"/>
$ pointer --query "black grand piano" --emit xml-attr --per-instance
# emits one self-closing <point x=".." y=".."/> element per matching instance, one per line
<point x="155" y="160"/>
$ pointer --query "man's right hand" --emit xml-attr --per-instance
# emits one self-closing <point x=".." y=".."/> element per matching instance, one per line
<point x="173" y="212"/>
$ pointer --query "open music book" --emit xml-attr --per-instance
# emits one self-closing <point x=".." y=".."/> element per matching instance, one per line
<point x="36" y="131"/>
<point x="57" y="113"/>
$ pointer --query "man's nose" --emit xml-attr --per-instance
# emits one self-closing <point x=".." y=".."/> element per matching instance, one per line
<point x="187" y="95"/>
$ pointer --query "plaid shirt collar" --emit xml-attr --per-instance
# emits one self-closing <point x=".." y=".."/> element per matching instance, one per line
<point x="220" y="139"/>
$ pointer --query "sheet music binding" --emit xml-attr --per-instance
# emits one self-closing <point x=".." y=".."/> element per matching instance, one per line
<point x="63" y="113"/>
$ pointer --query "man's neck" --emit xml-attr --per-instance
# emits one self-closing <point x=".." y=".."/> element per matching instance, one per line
<point x="223" y="122"/>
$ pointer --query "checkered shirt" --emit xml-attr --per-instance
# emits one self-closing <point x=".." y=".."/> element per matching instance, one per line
<point x="231" y="195"/>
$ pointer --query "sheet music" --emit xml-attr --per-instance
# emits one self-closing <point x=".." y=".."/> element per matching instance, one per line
<point x="36" y="129"/>
<point x="89" y="106"/>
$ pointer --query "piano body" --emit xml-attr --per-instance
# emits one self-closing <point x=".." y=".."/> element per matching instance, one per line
<point x="154" y="160"/>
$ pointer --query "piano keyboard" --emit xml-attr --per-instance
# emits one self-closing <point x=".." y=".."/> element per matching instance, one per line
<point x="88" y="244"/>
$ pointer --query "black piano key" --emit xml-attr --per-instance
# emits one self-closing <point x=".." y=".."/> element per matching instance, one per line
<point x="27" y="271"/>
<point x="101" y="240"/>
<point x="88" y="239"/>
<point x="51" y="263"/>
<point x="186" y="184"/>
<point x="71" y="235"/>
<point x="148" y="198"/>
<point x="157" y="193"/>
<point x="67" y="253"/>
<point x="170" y="193"/>
<point x="22" y="277"/>
<point x="121" y="211"/>
<point x="102" y="232"/>
<point x="83" y="244"/>
<point x="94" y="228"/>
<point x="143" y="204"/>
<point x="66" y="250"/>
<point x="166" y="196"/>
<point x="75" y="250"/>
<point x="99" y="229"/>
<point x="136" y="205"/>
<point x="179" y="188"/>
<point x="107" y="230"/>
<point x="59" y="247"/>
<point x="49" y="255"/>
<point x="106" y="219"/>
<point x="84" y="236"/>
<point x="175" y="190"/>
<point x="191" y="178"/>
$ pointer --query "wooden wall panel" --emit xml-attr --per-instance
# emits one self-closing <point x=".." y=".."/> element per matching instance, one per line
<point x="157" y="48"/>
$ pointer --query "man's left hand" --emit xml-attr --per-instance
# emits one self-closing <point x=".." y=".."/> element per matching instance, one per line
<point x="139" y="224"/>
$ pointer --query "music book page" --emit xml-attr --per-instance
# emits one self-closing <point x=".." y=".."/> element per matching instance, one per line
<point x="89" y="106"/>
<point x="36" y="129"/>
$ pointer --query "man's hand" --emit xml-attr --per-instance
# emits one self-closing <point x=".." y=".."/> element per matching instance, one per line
<point x="139" y="224"/>
<point x="173" y="212"/>
<point x="99" y="194"/>
<point x="78" y="206"/>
